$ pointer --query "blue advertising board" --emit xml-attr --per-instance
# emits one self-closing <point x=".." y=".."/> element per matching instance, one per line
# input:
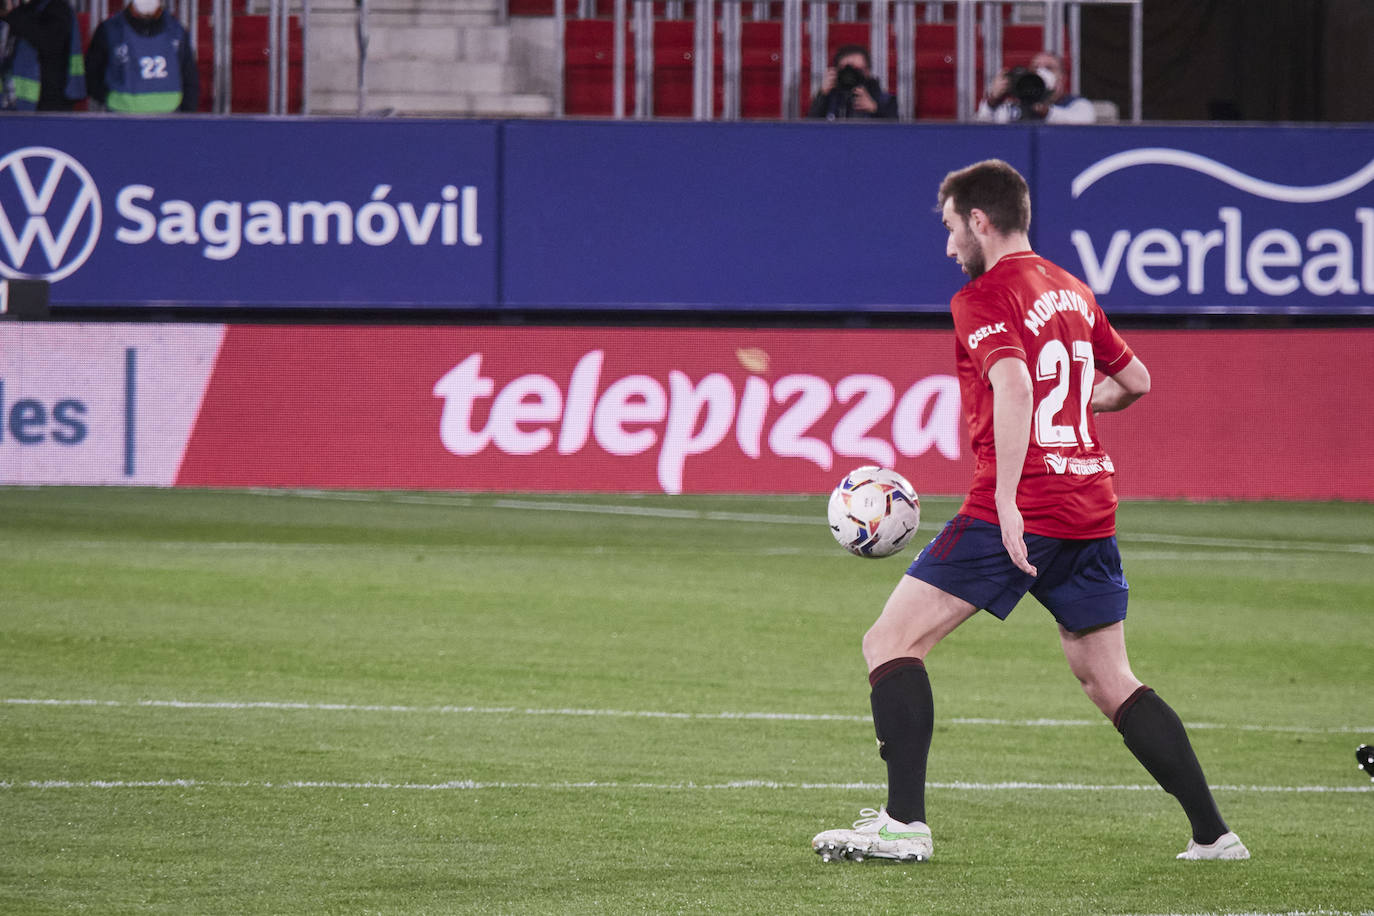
<point x="1211" y="220"/>
<point x="749" y="217"/>
<point x="807" y="215"/>
<point x="258" y="212"/>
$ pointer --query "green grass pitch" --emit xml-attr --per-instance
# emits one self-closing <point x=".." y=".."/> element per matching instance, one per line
<point x="279" y="703"/>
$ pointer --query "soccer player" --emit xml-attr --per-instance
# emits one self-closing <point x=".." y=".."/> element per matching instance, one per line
<point x="1039" y="517"/>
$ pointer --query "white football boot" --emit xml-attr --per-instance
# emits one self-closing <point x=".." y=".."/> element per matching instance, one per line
<point x="878" y="835"/>
<point x="1227" y="846"/>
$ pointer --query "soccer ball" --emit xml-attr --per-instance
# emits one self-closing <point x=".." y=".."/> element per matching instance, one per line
<point x="874" y="512"/>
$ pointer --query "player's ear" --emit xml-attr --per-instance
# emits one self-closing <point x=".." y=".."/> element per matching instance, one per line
<point x="978" y="221"/>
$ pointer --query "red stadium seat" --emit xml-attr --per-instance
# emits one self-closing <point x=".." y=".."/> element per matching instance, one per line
<point x="674" y="60"/>
<point x="589" y="68"/>
<point x="540" y="7"/>
<point x="761" y="70"/>
<point x="249" y="63"/>
<point x="1016" y="38"/>
<point x="589" y="65"/>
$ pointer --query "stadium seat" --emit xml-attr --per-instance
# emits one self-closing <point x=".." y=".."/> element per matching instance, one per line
<point x="840" y="34"/>
<point x="1029" y="38"/>
<point x="589" y="68"/>
<point x="605" y="9"/>
<point x="674" y="59"/>
<point x="761" y="70"/>
<point x="249" y="63"/>
<point x="589" y="63"/>
<point x="540" y="7"/>
<point x="936" y="96"/>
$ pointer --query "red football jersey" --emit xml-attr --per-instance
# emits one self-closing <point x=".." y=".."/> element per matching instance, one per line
<point x="1030" y="309"/>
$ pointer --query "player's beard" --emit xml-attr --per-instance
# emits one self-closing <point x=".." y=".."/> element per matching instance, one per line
<point x="976" y="260"/>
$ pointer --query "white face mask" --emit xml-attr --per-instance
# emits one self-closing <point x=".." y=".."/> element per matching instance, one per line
<point x="1044" y="73"/>
<point x="147" y="7"/>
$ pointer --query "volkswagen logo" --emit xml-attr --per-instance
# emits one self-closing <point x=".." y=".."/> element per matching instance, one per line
<point x="49" y="214"/>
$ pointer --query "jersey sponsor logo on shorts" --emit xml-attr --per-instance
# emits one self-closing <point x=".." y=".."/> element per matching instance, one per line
<point x="985" y="332"/>
<point x="1079" y="467"/>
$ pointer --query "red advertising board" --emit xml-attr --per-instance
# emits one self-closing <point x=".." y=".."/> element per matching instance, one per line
<point x="569" y="409"/>
<point x="1246" y="415"/>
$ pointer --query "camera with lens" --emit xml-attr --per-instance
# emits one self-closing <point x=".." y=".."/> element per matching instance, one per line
<point x="850" y="78"/>
<point x="1027" y="87"/>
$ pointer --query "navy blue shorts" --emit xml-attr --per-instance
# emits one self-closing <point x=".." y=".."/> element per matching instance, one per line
<point x="1080" y="581"/>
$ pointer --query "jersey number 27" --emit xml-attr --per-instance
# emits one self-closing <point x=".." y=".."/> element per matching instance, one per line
<point x="1055" y="364"/>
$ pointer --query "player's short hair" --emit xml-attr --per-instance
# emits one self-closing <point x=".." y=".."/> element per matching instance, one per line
<point x="992" y="186"/>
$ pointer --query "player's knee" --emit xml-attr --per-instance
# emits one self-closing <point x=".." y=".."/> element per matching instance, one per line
<point x="1107" y="693"/>
<point x="871" y="646"/>
<point x="1093" y="689"/>
<point x="878" y="646"/>
<point x="883" y="644"/>
<point x="1090" y="682"/>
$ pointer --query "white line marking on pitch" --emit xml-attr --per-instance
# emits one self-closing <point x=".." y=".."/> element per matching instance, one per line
<point x="1253" y="913"/>
<point x="550" y="505"/>
<point x="639" y="714"/>
<point x="554" y="505"/>
<point x="474" y="785"/>
<point x="1304" y="546"/>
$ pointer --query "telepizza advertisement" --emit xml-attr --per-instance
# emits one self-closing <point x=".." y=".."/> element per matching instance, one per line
<point x="1231" y="414"/>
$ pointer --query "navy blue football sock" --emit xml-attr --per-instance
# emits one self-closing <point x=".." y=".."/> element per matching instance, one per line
<point x="1155" y="734"/>
<point x="904" y="719"/>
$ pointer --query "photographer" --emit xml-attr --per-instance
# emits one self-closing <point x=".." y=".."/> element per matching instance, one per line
<point x="1035" y="93"/>
<point x="850" y="90"/>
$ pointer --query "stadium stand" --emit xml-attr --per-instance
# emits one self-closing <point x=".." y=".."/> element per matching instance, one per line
<point x="248" y="59"/>
<point x="249" y="62"/>
<point x="589" y="62"/>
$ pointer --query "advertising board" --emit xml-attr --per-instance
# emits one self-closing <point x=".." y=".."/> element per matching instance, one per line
<point x="1231" y="415"/>
<point x="1234" y="220"/>
<point x="353" y="214"/>
<point x="250" y="212"/>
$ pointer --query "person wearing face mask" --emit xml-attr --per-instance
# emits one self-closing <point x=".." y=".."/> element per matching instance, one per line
<point x="40" y="56"/>
<point x="140" y="61"/>
<point x="1037" y="93"/>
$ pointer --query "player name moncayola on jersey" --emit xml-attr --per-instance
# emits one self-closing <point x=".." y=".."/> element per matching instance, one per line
<point x="1030" y="309"/>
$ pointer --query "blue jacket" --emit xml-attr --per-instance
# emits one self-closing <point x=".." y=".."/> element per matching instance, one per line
<point x="144" y="65"/>
<point x="838" y="103"/>
<point x="46" y="71"/>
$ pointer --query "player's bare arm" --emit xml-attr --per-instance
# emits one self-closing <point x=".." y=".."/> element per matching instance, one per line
<point x="1011" y="418"/>
<point x="1119" y="391"/>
